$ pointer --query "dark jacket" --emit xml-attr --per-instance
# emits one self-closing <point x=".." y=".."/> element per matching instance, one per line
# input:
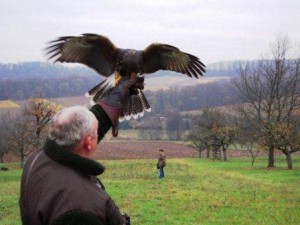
<point x="161" y="163"/>
<point x="59" y="187"/>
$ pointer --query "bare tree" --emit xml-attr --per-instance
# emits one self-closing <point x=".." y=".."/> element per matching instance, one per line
<point x="20" y="136"/>
<point x="288" y="140"/>
<point x="214" y="131"/>
<point x="249" y="138"/>
<point x="175" y="125"/>
<point x="5" y="122"/>
<point x="221" y="128"/>
<point x="24" y="131"/>
<point x="270" y="91"/>
<point x="40" y="112"/>
<point x="198" y="141"/>
<point x="224" y="136"/>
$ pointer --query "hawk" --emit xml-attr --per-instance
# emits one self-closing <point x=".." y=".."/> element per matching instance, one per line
<point x="99" y="53"/>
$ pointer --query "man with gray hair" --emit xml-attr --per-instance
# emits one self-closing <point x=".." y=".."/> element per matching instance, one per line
<point x="68" y="126"/>
<point x="59" y="183"/>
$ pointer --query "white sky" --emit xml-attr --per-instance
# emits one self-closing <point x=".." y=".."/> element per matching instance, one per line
<point x="213" y="30"/>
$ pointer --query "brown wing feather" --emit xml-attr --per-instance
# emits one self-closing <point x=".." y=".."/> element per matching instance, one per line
<point x="166" y="57"/>
<point x="93" y="50"/>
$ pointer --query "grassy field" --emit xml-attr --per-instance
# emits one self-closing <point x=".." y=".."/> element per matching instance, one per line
<point x="194" y="191"/>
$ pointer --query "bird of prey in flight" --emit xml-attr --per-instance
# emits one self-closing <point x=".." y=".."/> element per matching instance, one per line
<point x="100" y="54"/>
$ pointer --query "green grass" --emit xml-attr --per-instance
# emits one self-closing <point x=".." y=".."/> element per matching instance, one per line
<point x="194" y="191"/>
<point x="9" y="192"/>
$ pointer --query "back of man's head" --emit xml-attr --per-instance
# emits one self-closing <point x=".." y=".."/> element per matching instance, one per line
<point x="69" y="125"/>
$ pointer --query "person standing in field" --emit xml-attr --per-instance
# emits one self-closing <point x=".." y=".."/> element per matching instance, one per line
<point x="161" y="163"/>
<point x="59" y="184"/>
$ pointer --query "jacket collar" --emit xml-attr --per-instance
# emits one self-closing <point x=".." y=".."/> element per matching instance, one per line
<point x="65" y="157"/>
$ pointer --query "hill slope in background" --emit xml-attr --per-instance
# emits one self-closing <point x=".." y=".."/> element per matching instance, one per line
<point x="7" y="104"/>
<point x="36" y="79"/>
<point x="177" y="80"/>
<point x="28" y="70"/>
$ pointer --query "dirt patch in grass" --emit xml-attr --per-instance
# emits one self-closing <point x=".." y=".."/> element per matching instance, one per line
<point x="142" y="150"/>
<point x="149" y="150"/>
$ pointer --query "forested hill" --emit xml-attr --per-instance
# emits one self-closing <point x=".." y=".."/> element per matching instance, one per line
<point x="28" y="70"/>
<point x="29" y="79"/>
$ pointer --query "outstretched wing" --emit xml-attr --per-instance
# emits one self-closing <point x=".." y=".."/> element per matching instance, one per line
<point x="166" y="57"/>
<point x="93" y="50"/>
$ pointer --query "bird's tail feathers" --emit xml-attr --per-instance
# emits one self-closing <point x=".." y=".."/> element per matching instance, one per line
<point x="135" y="107"/>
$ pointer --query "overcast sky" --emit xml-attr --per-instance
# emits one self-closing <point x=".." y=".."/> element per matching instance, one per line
<point x="213" y="30"/>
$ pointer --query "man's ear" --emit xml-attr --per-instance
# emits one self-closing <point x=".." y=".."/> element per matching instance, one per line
<point x="87" y="144"/>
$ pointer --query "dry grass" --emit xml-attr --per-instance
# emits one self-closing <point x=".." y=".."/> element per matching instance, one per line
<point x="8" y="104"/>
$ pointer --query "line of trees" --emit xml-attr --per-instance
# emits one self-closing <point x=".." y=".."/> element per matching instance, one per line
<point x="214" y="130"/>
<point x="192" y="97"/>
<point x="50" y="87"/>
<point x="268" y="116"/>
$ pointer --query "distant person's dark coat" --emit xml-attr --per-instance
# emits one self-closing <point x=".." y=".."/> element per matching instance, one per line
<point x="161" y="163"/>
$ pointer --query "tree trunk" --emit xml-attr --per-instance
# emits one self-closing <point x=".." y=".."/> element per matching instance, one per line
<point x="289" y="160"/>
<point x="200" y="151"/>
<point x="253" y="157"/>
<point x="216" y="153"/>
<point x="224" y="153"/>
<point x="1" y="158"/>
<point x="271" y="161"/>
<point x="208" y="152"/>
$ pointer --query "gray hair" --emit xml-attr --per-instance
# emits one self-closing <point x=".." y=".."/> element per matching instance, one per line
<point x="69" y="125"/>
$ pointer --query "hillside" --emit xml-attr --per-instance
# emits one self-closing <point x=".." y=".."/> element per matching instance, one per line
<point x="35" y="79"/>
<point x="28" y="70"/>
<point x="178" y="80"/>
<point x="7" y="104"/>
